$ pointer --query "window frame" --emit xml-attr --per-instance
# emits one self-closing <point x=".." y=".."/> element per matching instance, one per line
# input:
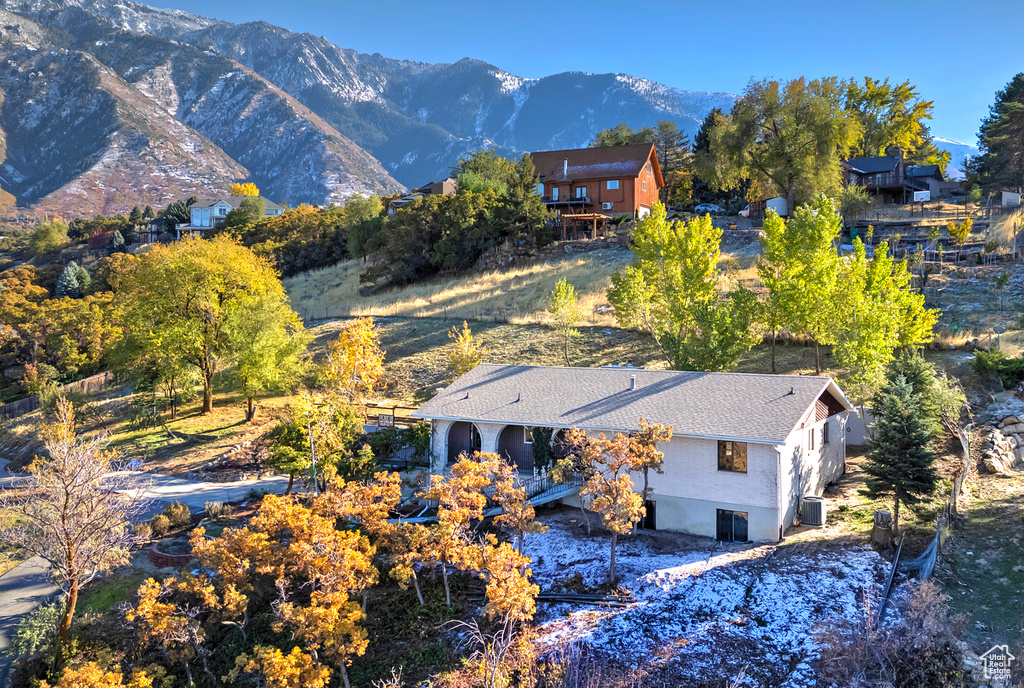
<point x="643" y="185"/>
<point x="824" y="434"/>
<point x="727" y="456"/>
<point x="554" y="193"/>
<point x="581" y="192"/>
<point x="610" y="182"/>
<point x="527" y="435"/>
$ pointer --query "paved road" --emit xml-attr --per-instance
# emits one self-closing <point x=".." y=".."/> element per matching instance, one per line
<point x="164" y="489"/>
<point x="28" y="585"/>
<point x="21" y="590"/>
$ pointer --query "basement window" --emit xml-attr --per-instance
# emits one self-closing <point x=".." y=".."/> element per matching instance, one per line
<point x="732" y="456"/>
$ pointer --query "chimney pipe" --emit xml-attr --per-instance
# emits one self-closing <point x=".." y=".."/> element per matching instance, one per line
<point x="565" y="169"/>
<point x="632" y="382"/>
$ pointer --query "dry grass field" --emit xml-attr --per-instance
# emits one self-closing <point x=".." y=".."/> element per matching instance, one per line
<point x="517" y="295"/>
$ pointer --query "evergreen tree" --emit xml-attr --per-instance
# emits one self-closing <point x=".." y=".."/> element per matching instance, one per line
<point x="1001" y="139"/>
<point x="901" y="463"/>
<point x="177" y="213"/>
<point x="135" y="216"/>
<point x="703" y="164"/>
<point x="147" y="213"/>
<point x="67" y="283"/>
<point x="920" y="375"/>
<point x="523" y="210"/>
<point x="82" y="275"/>
<point x="116" y="242"/>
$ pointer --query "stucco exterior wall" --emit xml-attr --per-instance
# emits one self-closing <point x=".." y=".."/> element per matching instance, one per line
<point x="804" y="471"/>
<point x="692" y="489"/>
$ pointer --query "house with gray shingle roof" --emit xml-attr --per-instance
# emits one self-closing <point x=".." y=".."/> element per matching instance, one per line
<point x="745" y="448"/>
<point x="208" y="213"/>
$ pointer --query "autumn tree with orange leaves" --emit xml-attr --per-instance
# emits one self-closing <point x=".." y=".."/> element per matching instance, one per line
<point x="314" y="568"/>
<point x="609" y="484"/>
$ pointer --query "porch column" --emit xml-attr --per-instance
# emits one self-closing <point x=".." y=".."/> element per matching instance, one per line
<point x="489" y="433"/>
<point x="439" y="445"/>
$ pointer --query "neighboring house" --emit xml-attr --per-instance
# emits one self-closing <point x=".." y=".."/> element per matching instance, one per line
<point x="207" y="213"/>
<point x="445" y="187"/>
<point x="745" y="448"/>
<point x="153" y="229"/>
<point x="891" y="181"/>
<point x="613" y="181"/>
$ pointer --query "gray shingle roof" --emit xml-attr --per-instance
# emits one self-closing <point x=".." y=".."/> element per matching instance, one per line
<point x="234" y="201"/>
<point x="883" y="163"/>
<point x="740" y="406"/>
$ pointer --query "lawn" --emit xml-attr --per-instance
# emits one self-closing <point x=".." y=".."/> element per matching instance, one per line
<point x="103" y="594"/>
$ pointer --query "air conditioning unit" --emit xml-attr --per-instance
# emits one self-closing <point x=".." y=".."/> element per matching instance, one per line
<point x="813" y="511"/>
<point x="606" y="206"/>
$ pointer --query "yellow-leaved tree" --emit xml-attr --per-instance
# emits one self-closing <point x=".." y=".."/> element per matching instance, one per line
<point x="609" y="484"/>
<point x="466" y="351"/>
<point x="244" y="189"/>
<point x="94" y="675"/>
<point x="355" y="361"/>
<point x="291" y="558"/>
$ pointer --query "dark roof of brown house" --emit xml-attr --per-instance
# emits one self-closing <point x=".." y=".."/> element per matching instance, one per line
<point x="610" y="162"/>
<point x="882" y="163"/>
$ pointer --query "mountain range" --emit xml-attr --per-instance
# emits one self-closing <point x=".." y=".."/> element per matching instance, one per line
<point x="109" y="103"/>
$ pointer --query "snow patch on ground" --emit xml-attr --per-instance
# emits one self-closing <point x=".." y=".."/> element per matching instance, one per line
<point x="707" y="605"/>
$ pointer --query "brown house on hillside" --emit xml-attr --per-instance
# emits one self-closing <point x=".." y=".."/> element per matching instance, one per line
<point x="612" y="181"/>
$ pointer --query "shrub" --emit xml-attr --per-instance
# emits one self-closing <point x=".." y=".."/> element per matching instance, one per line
<point x="920" y="649"/>
<point x="36" y="631"/>
<point x="1010" y="371"/>
<point x="143" y="531"/>
<point x="159" y="525"/>
<point x="178" y="514"/>
<point x="215" y="510"/>
<point x="48" y="236"/>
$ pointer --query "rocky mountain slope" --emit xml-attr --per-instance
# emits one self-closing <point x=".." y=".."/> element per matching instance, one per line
<point x="314" y="122"/>
<point x="80" y="139"/>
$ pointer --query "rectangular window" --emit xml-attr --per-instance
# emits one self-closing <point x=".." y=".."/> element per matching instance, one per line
<point x="643" y="186"/>
<point x="528" y="435"/>
<point x="554" y="194"/>
<point x="613" y="184"/>
<point x="810" y="438"/>
<point x="732" y="456"/>
<point x="581" y="192"/>
<point x="732" y="525"/>
<point x="540" y="189"/>
<point x="824" y="433"/>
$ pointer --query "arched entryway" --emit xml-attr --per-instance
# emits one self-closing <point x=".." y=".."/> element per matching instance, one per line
<point x="463" y="437"/>
<point x="515" y="445"/>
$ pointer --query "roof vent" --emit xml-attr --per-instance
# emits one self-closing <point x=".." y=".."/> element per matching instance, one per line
<point x="632" y="381"/>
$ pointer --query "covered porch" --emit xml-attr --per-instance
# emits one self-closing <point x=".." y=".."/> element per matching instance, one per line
<point x="583" y="223"/>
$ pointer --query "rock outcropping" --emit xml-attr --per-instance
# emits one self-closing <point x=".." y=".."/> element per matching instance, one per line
<point x="1004" y="447"/>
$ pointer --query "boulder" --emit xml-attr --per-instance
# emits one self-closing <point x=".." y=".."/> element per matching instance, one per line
<point x="1009" y="420"/>
<point x="996" y="463"/>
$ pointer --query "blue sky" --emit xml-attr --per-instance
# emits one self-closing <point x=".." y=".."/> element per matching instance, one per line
<point x="957" y="53"/>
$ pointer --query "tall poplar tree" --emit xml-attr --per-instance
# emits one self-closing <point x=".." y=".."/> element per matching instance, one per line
<point x="671" y="292"/>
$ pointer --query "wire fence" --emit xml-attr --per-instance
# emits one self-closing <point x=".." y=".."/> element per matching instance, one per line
<point x="925" y="563"/>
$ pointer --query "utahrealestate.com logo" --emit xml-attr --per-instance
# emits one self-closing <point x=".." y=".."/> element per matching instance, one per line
<point x="997" y="664"/>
